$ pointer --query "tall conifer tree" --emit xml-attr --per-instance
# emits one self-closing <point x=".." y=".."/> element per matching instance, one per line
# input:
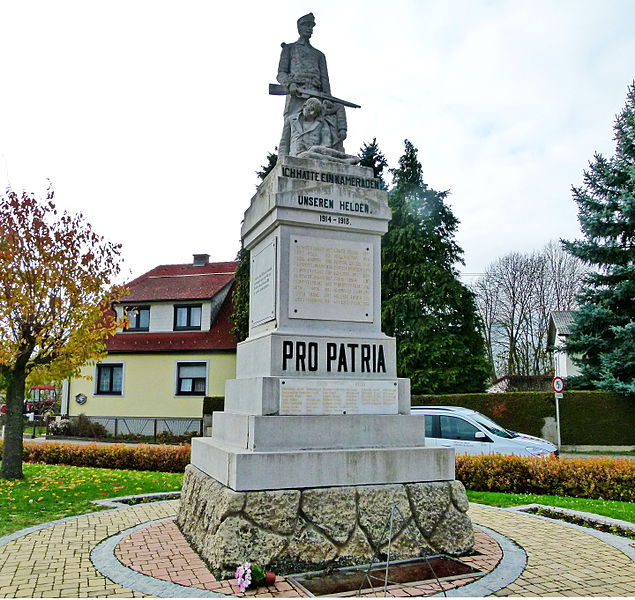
<point x="272" y="161"/>
<point x="371" y="156"/>
<point x="602" y="340"/>
<point x="424" y="305"/>
<point x="240" y="295"/>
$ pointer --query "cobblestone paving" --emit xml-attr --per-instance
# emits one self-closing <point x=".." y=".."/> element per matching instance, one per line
<point x="561" y="561"/>
<point x="161" y="551"/>
<point x="55" y="561"/>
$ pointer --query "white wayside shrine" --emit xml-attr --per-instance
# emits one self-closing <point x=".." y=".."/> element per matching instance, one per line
<point x="316" y="441"/>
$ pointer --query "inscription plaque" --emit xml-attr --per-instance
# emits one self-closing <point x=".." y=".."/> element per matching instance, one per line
<point x="337" y="397"/>
<point x="262" y="303"/>
<point x="330" y="279"/>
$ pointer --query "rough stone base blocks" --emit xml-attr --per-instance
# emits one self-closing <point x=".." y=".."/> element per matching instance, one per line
<point x="309" y="529"/>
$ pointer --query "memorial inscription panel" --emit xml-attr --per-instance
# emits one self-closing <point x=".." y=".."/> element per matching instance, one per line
<point x="323" y="397"/>
<point x="262" y="305"/>
<point x="330" y="279"/>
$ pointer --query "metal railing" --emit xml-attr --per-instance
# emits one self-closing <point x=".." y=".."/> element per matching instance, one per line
<point x="132" y="429"/>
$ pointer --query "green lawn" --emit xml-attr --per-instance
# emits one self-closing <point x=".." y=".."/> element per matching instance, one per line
<point x="609" y="508"/>
<point x="51" y="492"/>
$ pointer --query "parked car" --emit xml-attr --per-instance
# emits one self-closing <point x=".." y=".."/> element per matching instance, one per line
<point x="470" y="432"/>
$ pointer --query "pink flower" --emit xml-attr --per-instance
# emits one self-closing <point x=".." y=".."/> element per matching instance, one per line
<point x="243" y="576"/>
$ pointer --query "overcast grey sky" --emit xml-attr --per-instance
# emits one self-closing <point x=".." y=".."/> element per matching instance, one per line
<point x="152" y="117"/>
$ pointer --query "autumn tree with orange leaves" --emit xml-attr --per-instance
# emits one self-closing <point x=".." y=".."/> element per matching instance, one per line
<point x="55" y="292"/>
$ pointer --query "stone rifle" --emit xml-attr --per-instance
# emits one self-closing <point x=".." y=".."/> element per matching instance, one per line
<point x="282" y="90"/>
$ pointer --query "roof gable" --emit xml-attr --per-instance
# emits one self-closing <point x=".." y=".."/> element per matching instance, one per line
<point x="219" y="337"/>
<point x="560" y="322"/>
<point x="562" y="319"/>
<point x="212" y="282"/>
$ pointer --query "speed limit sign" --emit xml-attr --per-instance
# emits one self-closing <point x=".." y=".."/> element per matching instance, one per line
<point x="558" y="385"/>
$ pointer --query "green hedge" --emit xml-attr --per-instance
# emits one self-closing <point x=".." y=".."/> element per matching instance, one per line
<point x="587" y="418"/>
<point x="599" y="478"/>
<point x="605" y="478"/>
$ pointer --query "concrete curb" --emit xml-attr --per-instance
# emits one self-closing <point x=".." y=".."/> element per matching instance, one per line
<point x="593" y="517"/>
<point x="582" y="449"/>
<point x="104" y="560"/>
<point x="10" y="537"/>
<point x="510" y="568"/>
<point x="623" y="544"/>
<point x="120" y="501"/>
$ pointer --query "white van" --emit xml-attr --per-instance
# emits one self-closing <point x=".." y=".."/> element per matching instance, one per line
<point x="470" y="432"/>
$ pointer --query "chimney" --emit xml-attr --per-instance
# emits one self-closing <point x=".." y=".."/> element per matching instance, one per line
<point x="200" y="260"/>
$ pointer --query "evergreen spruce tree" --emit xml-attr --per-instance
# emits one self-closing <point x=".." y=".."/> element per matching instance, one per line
<point x="272" y="161"/>
<point x="240" y="297"/>
<point x="371" y="156"/>
<point x="602" y="340"/>
<point x="424" y="305"/>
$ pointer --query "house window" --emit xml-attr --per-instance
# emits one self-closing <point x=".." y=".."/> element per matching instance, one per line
<point x="191" y="379"/>
<point x="139" y="317"/>
<point x="109" y="379"/>
<point x="187" y="317"/>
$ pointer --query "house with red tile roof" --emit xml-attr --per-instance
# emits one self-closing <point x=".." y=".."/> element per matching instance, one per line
<point x="176" y="350"/>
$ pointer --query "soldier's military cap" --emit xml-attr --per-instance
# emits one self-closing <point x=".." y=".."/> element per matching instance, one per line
<point x="305" y="18"/>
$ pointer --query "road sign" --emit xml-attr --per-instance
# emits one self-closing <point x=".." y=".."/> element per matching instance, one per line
<point x="558" y="385"/>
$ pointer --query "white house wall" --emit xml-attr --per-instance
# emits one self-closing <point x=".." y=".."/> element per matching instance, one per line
<point x="162" y="315"/>
<point x="563" y="363"/>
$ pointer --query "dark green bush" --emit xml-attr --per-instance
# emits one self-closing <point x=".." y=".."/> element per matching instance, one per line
<point x="81" y="426"/>
<point x="587" y="418"/>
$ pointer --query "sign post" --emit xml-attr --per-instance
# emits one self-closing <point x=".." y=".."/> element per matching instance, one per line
<point x="558" y="387"/>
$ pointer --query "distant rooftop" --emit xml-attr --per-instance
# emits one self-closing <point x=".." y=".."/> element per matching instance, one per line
<point x="562" y="319"/>
<point x="181" y="282"/>
<point x="199" y="280"/>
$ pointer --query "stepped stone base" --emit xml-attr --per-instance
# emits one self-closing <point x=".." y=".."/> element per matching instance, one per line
<point x="245" y="470"/>
<point x="295" y="530"/>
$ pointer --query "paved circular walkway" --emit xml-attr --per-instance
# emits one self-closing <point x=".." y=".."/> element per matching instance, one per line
<point x="110" y="554"/>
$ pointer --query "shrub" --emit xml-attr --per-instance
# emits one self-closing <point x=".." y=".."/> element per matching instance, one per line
<point x="143" y="457"/>
<point x="81" y="426"/>
<point x="599" y="478"/>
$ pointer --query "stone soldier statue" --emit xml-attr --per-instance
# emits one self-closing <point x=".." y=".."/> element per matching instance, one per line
<point x="311" y="133"/>
<point x="309" y="128"/>
<point x="302" y="71"/>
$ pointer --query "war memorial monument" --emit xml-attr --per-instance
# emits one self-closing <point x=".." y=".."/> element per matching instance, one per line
<point x="316" y="442"/>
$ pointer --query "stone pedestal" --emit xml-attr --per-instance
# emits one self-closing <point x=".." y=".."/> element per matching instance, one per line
<point x="317" y="404"/>
<point x="309" y="529"/>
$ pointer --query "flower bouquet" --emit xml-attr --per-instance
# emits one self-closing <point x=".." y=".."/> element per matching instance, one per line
<point x="249" y="575"/>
